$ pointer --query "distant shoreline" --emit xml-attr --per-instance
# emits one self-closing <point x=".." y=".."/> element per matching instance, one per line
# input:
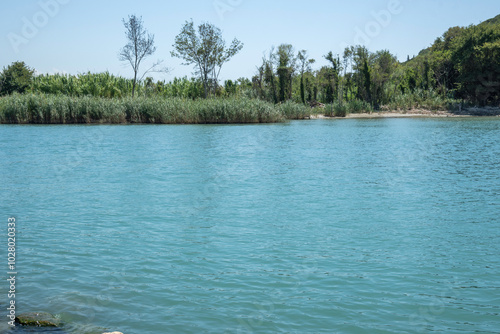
<point x="421" y="113"/>
<point x="61" y="109"/>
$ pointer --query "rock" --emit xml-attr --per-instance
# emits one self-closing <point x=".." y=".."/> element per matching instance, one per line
<point x="38" y="319"/>
<point x="113" y="333"/>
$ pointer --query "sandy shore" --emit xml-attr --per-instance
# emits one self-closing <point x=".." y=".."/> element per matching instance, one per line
<point x="420" y="113"/>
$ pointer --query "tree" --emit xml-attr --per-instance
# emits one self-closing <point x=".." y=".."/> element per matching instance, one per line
<point x="206" y="50"/>
<point x="384" y="65"/>
<point x="367" y="81"/>
<point x="141" y="44"/>
<point x="477" y="60"/>
<point x="326" y="79"/>
<point x="362" y="59"/>
<point x="269" y="74"/>
<point x="334" y="74"/>
<point x="286" y="68"/>
<point x="16" y="77"/>
<point x="348" y="58"/>
<point x="305" y="66"/>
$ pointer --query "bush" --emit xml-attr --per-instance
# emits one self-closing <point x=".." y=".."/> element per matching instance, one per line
<point x="292" y="110"/>
<point x="342" y="108"/>
<point x="420" y="99"/>
<point x="15" y="78"/>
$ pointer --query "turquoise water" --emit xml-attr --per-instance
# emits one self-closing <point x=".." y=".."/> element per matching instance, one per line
<point x="325" y="226"/>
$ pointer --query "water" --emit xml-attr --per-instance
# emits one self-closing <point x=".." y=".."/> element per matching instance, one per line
<point x="326" y="226"/>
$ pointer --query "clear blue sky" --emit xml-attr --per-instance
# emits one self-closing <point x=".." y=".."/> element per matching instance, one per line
<point x="78" y="36"/>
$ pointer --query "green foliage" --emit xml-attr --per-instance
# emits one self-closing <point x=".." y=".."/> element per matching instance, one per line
<point x="383" y="68"/>
<point x="286" y="68"/>
<point x="343" y="108"/>
<point x="420" y="99"/>
<point x="51" y="109"/>
<point x="88" y="84"/>
<point x="292" y="110"/>
<point x="493" y="21"/>
<point x="206" y="50"/>
<point x="461" y="66"/>
<point x="305" y="67"/>
<point x="464" y="63"/>
<point x="339" y="109"/>
<point x="16" y="77"/>
<point x="61" y="109"/>
<point x="109" y="86"/>
<point x="326" y="78"/>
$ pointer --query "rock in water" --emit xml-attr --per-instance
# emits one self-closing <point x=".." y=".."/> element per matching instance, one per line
<point x="38" y="319"/>
<point x="113" y="333"/>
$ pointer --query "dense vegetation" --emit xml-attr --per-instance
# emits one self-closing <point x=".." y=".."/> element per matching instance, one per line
<point x="461" y="67"/>
<point x="464" y="63"/>
<point x="62" y="109"/>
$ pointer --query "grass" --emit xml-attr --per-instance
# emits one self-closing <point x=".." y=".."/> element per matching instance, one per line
<point x="61" y="109"/>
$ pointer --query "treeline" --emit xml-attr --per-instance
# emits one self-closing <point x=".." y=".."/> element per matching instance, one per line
<point x="463" y="63"/>
<point x="461" y="66"/>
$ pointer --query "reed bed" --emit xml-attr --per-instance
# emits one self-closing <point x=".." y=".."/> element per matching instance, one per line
<point x="293" y="110"/>
<point x="420" y="99"/>
<point x="342" y="108"/>
<point x="61" y="109"/>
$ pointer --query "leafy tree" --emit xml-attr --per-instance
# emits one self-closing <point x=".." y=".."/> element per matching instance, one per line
<point x="305" y="66"/>
<point x="206" y="49"/>
<point x="286" y="68"/>
<point x="269" y="77"/>
<point x="477" y="60"/>
<point x="334" y="75"/>
<point x="324" y="78"/>
<point x="409" y="82"/>
<point x="361" y="70"/>
<point x="367" y="81"/>
<point x="310" y="86"/>
<point x="140" y="45"/>
<point x="426" y="80"/>
<point x="347" y="65"/>
<point x="384" y="64"/>
<point x="230" y="87"/>
<point x="17" y="77"/>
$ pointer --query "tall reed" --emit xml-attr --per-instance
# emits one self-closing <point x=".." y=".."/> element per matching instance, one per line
<point x="343" y="108"/>
<point x="420" y="99"/>
<point x="61" y="109"/>
<point x="293" y="110"/>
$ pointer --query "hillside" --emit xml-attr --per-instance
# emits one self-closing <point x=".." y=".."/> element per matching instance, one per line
<point x="495" y="20"/>
<point x="464" y="62"/>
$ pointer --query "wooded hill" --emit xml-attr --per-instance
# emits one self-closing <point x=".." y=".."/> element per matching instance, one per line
<point x="464" y="63"/>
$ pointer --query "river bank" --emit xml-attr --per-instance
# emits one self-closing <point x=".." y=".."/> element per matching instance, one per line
<point x="60" y="109"/>
<point x="421" y="113"/>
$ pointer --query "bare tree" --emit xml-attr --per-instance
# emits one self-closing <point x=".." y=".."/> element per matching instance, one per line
<point x="140" y="45"/>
